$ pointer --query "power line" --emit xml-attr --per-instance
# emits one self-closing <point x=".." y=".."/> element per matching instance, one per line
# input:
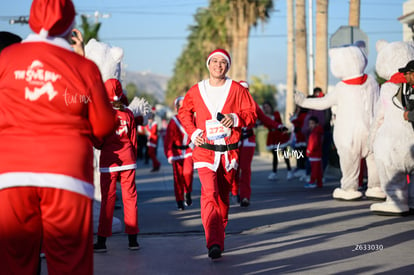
<point x="251" y="36"/>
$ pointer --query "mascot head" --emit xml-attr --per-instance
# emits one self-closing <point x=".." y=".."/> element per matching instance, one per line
<point x="391" y="56"/>
<point x="347" y="61"/>
<point x="107" y="58"/>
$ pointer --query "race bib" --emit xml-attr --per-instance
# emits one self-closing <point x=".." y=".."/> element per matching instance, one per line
<point x="215" y="130"/>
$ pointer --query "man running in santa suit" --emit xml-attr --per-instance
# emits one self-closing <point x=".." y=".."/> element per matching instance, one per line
<point x="213" y="112"/>
<point x="178" y="150"/>
<point x="53" y="104"/>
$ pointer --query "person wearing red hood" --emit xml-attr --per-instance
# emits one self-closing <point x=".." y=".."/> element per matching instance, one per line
<point x="314" y="153"/>
<point x="53" y="106"/>
<point x="118" y="162"/>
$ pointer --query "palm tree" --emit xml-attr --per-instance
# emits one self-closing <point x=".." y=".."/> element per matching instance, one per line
<point x="290" y="66"/>
<point x="321" y="45"/>
<point x="354" y="10"/>
<point x="242" y="15"/>
<point x="224" y="24"/>
<point x="207" y="34"/>
<point x="301" y="48"/>
<point x="89" y="31"/>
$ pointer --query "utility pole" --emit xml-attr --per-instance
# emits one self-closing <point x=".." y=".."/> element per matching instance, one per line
<point x="311" y="62"/>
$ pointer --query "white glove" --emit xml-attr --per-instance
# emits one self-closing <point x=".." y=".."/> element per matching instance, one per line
<point x="139" y="106"/>
<point x="299" y="98"/>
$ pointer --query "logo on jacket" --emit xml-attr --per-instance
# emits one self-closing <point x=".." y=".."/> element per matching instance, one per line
<point x="123" y="127"/>
<point x="38" y="92"/>
<point x="37" y="75"/>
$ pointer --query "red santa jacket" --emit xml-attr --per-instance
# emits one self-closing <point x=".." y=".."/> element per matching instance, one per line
<point x="119" y="150"/>
<point x="152" y="132"/>
<point x="275" y="138"/>
<point x="197" y="110"/>
<point x="298" y="121"/>
<point x="248" y="136"/>
<point x="314" y="148"/>
<point x="176" y="141"/>
<point x="52" y="102"/>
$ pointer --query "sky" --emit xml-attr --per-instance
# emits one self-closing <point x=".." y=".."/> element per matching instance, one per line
<point x="154" y="33"/>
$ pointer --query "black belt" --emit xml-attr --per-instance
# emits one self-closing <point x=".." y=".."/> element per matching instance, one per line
<point x="181" y="147"/>
<point x="220" y="148"/>
<point x="247" y="133"/>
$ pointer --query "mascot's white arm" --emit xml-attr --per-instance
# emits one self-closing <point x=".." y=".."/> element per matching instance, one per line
<point x="320" y="103"/>
<point x="376" y="123"/>
<point x="140" y="107"/>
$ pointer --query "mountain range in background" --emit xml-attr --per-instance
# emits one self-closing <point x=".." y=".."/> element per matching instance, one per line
<point x="148" y="83"/>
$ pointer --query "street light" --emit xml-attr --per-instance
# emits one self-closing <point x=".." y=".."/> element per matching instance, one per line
<point x="21" y="20"/>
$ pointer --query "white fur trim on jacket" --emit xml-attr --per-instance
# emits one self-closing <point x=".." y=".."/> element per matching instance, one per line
<point x="21" y="179"/>
<point x="117" y="168"/>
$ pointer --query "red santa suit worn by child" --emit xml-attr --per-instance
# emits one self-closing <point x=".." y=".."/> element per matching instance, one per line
<point x="314" y="153"/>
<point x="178" y="150"/>
<point x="217" y="158"/>
<point x="242" y="184"/>
<point x="52" y="105"/>
<point x="118" y="162"/>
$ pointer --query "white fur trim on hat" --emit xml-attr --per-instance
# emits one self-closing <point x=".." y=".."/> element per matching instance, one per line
<point x="221" y="52"/>
<point x="43" y="33"/>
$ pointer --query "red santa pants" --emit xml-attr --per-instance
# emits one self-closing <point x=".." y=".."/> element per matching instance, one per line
<point x="316" y="172"/>
<point x="129" y="199"/>
<point x="245" y="175"/>
<point x="183" y="177"/>
<point x="235" y="188"/>
<point x="56" y="220"/>
<point x="214" y="202"/>
<point x="153" y="156"/>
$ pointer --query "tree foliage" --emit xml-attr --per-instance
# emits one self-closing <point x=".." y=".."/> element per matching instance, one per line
<point x="89" y="30"/>
<point x="132" y="91"/>
<point x="261" y="91"/>
<point x="217" y="26"/>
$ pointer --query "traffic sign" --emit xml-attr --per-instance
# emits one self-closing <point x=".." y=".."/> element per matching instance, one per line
<point x="347" y="35"/>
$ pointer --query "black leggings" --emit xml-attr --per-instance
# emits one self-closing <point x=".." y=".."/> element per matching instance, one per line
<point x="301" y="160"/>
<point x="282" y="154"/>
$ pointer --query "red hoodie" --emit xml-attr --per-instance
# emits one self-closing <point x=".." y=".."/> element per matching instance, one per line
<point x="314" y="148"/>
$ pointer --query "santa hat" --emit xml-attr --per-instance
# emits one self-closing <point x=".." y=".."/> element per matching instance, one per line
<point x="52" y="17"/>
<point x="244" y="84"/>
<point x="113" y="89"/>
<point x="221" y="52"/>
<point x="177" y="100"/>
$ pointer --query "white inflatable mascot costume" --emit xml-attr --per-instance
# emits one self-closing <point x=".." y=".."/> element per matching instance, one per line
<point x="392" y="137"/>
<point x="355" y="97"/>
